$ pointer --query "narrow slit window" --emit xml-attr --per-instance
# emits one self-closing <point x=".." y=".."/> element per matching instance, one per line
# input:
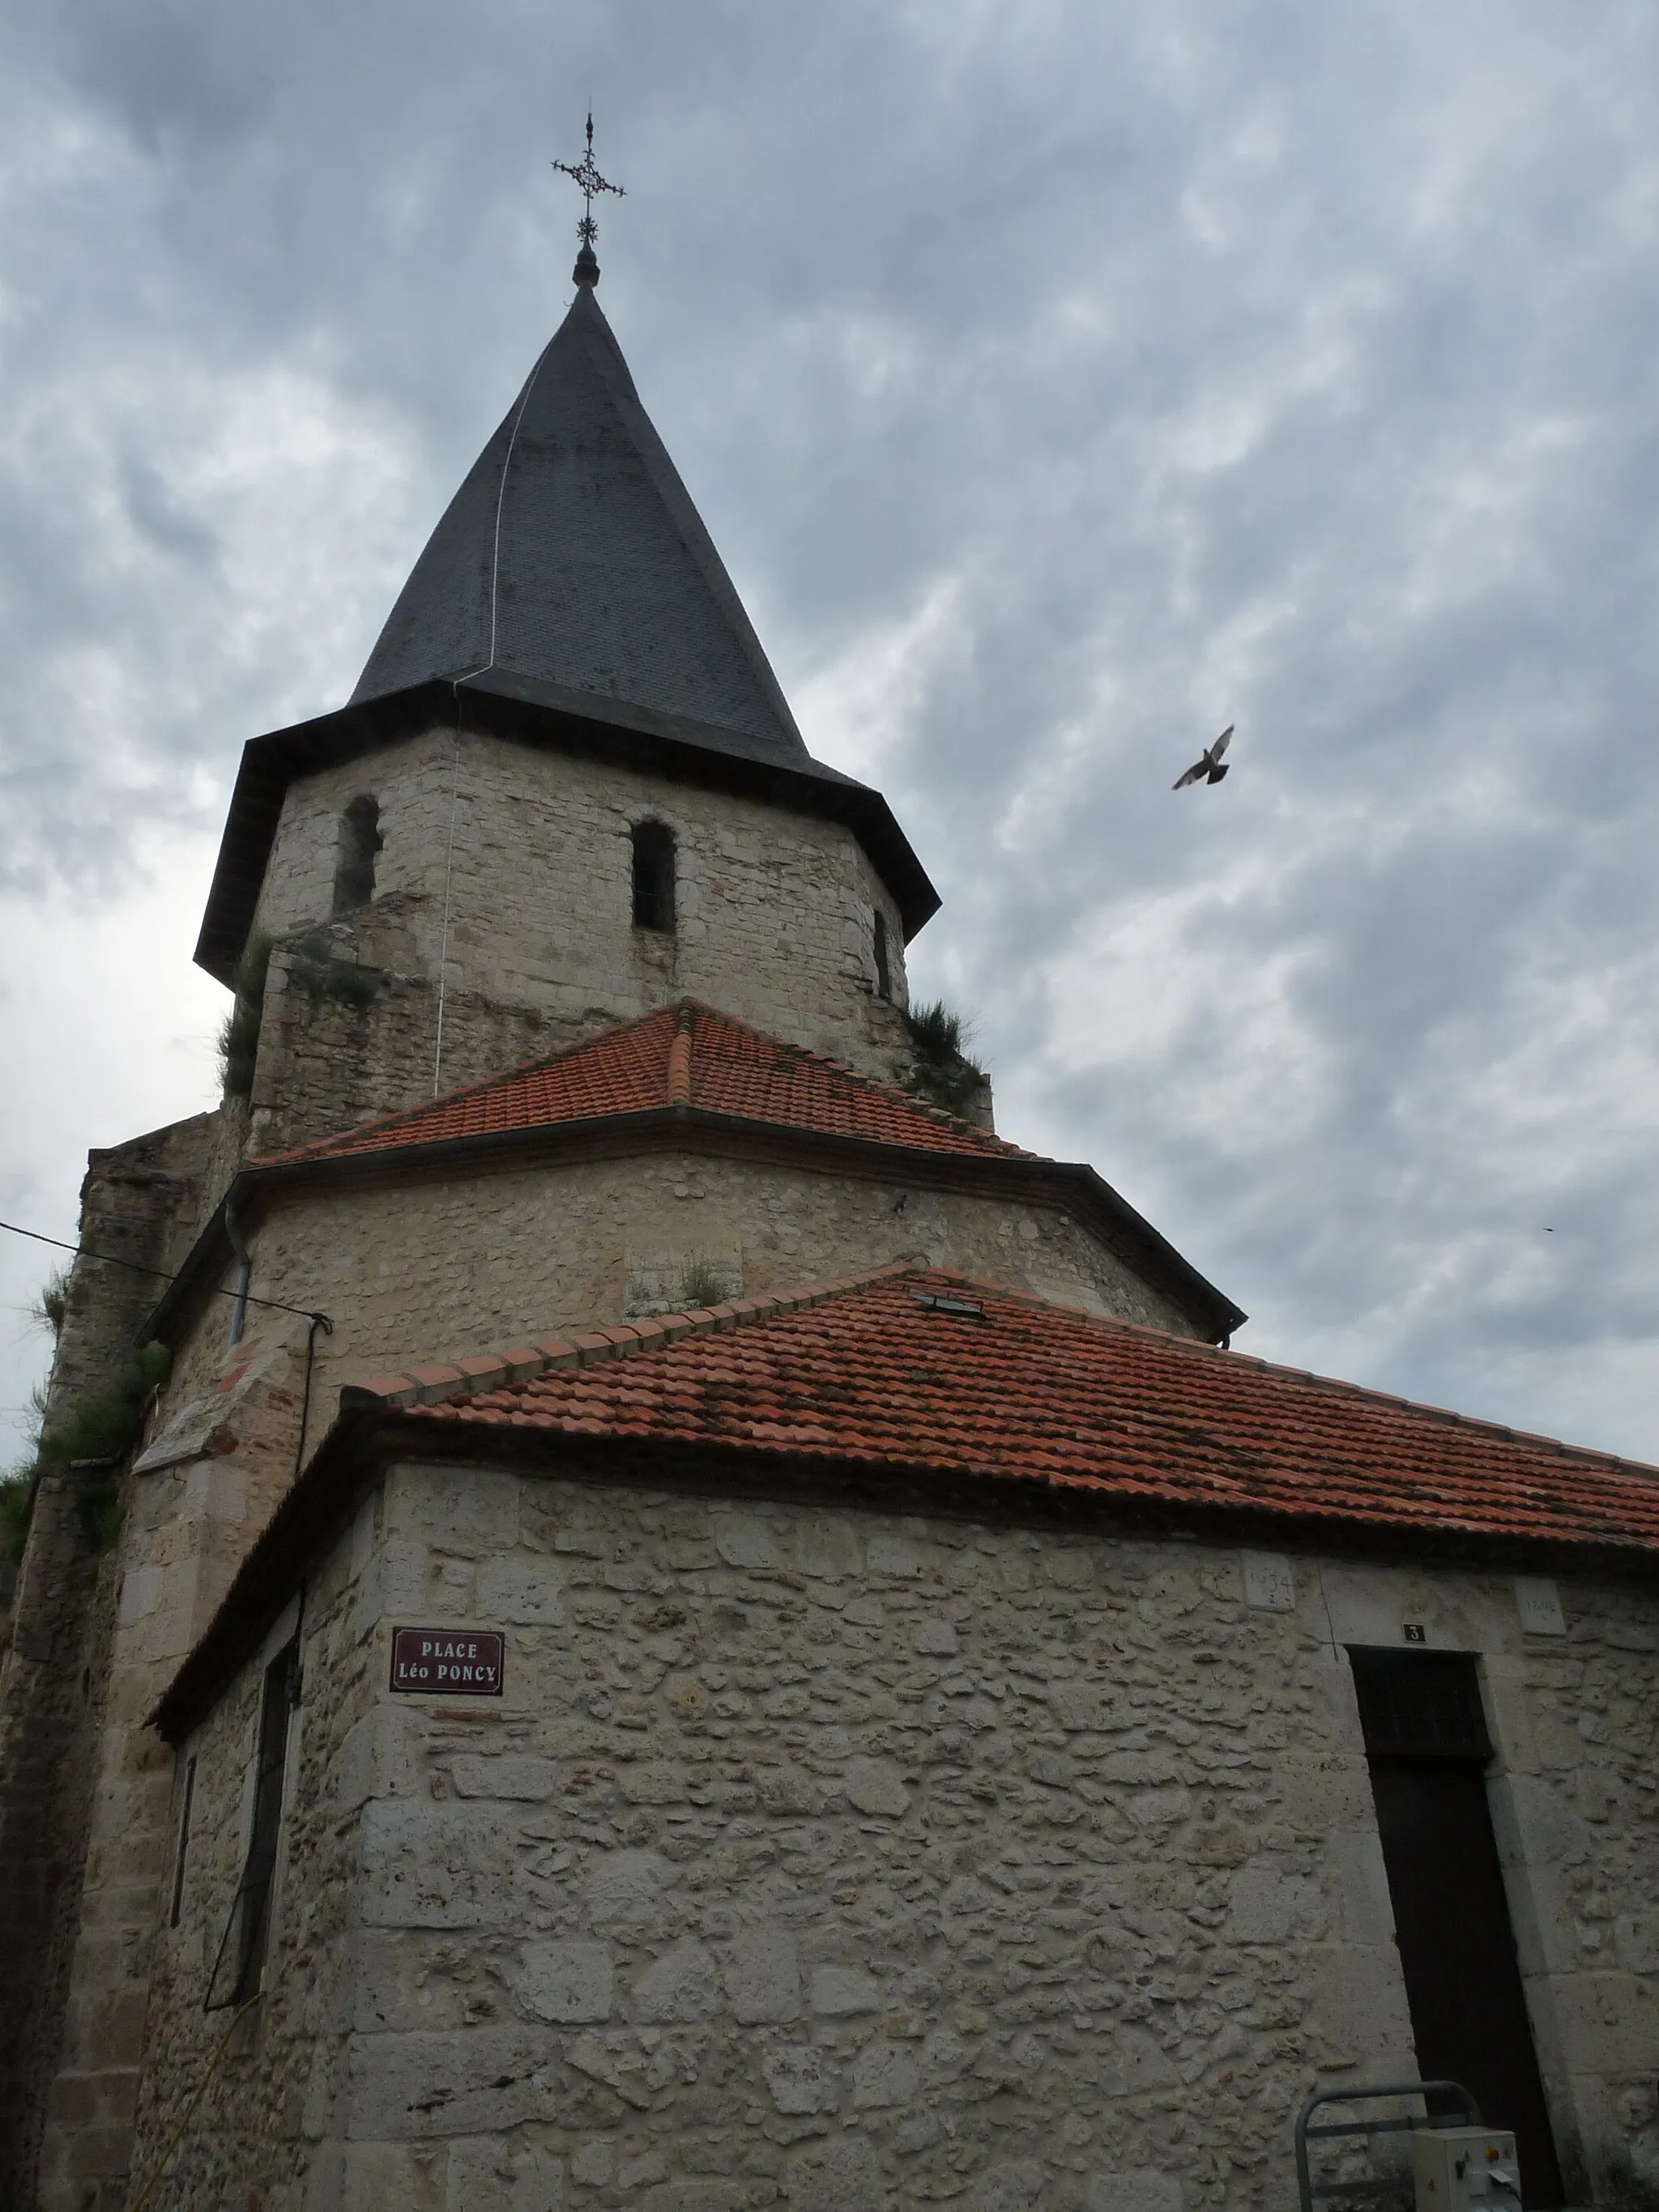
<point x="253" y="1930"/>
<point x="654" y="877"/>
<point x="360" y="846"/>
<point x="884" y="970"/>
<point x="178" y="1904"/>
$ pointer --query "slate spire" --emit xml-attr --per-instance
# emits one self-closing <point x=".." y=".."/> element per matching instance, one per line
<point x="572" y="557"/>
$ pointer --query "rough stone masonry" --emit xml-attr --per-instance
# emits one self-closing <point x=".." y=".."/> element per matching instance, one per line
<point x="818" y="1858"/>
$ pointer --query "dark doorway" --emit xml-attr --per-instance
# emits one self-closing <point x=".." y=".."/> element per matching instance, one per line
<point x="1426" y="1742"/>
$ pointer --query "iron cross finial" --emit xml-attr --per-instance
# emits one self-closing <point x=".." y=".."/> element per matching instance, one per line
<point x="587" y="174"/>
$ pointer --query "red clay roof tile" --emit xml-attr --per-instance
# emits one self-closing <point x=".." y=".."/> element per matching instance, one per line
<point x="682" y="1054"/>
<point x="870" y="1372"/>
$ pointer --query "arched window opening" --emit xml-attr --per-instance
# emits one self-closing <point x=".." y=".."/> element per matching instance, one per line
<point x="883" y="972"/>
<point x="359" y="842"/>
<point x="653" y="876"/>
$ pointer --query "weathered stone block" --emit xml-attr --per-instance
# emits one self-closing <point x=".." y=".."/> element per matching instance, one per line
<point x="701" y="2195"/>
<point x="505" y="1774"/>
<point x="592" y="2164"/>
<point x="1142" y="2190"/>
<point x="789" y="1789"/>
<point x="1013" y="2185"/>
<point x="875" y="1786"/>
<point x="827" y="1546"/>
<point x="890" y="1551"/>
<point x="746" y="1540"/>
<point x="625" y="1889"/>
<point x="517" y="2173"/>
<point x="403" y="2087"/>
<point x="1134" y="2063"/>
<point x="526" y="1590"/>
<point x="654" y="1782"/>
<point x="1268" y="1905"/>
<point x="798" y="2078"/>
<point x="763" y="1976"/>
<point x="434" y="1866"/>
<point x="567" y="1981"/>
<point x="682" y="1985"/>
<point x="379" y="2175"/>
<point x="883" y="2074"/>
<point x="1082" y="1707"/>
<point x="840" y="1992"/>
<point x="840" y="2174"/>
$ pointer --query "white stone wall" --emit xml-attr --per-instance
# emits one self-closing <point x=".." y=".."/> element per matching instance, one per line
<point x="430" y="1270"/>
<point x="821" y="1858"/>
<point x="776" y="910"/>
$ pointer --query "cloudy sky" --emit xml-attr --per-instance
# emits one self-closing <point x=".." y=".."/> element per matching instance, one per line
<point x="1061" y="383"/>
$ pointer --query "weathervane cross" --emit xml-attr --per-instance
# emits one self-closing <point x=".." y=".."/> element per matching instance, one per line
<point x="587" y="174"/>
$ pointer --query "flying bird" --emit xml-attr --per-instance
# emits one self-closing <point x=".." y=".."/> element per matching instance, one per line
<point x="1210" y="764"/>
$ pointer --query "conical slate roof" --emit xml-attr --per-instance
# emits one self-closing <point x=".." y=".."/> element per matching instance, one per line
<point x="571" y="555"/>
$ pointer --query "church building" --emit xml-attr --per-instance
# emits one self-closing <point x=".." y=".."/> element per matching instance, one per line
<point x="688" y="1626"/>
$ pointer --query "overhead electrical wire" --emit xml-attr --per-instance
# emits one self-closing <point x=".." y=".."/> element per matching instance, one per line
<point x="136" y="1268"/>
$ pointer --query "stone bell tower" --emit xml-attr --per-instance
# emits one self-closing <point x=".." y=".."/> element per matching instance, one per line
<point x="567" y="789"/>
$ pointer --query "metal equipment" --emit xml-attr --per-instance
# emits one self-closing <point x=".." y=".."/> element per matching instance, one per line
<point x="1454" y="2166"/>
<point x="1397" y="2186"/>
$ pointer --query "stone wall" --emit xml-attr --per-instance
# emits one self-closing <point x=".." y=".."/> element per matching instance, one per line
<point x="187" y="1525"/>
<point x="529" y="855"/>
<point x="51" y="1718"/>
<point x="276" y="2068"/>
<point x="141" y="1202"/>
<point x="821" y="1858"/>
<point x="435" y="1268"/>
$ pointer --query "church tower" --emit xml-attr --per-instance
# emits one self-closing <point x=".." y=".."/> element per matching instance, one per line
<point x="570" y="992"/>
<point x="567" y="789"/>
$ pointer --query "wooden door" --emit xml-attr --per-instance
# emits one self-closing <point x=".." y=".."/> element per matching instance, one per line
<point x="1428" y="1751"/>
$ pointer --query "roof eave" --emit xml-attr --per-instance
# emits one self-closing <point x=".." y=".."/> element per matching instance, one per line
<point x="364" y="1443"/>
<point x="500" y="703"/>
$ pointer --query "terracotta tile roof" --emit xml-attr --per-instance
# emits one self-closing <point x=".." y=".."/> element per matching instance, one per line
<point x="886" y="1371"/>
<point x="682" y="1054"/>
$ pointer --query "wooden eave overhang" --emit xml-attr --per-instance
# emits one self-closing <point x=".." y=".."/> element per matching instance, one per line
<point x="527" y="711"/>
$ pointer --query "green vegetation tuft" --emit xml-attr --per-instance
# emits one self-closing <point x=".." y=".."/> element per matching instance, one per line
<point x="320" y="975"/>
<point x="702" y="1284"/>
<point x="239" y="1039"/>
<point x="104" y="1426"/>
<point x="18" y="1485"/>
<point x="942" y="1072"/>
<point x="50" y="1308"/>
<point x="16" y="1509"/>
<point x="101" y="1428"/>
<point x="98" y="1505"/>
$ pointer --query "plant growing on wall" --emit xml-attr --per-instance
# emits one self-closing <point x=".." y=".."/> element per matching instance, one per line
<point x="238" y="1038"/>
<point x="101" y="1426"/>
<point x="941" y="1070"/>
<point x="49" y="1309"/>
<point x="17" y="1504"/>
<point x="321" y="975"/>
<point x="702" y="1284"/>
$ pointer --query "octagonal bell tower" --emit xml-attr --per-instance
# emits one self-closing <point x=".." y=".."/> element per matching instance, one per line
<point x="567" y="789"/>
